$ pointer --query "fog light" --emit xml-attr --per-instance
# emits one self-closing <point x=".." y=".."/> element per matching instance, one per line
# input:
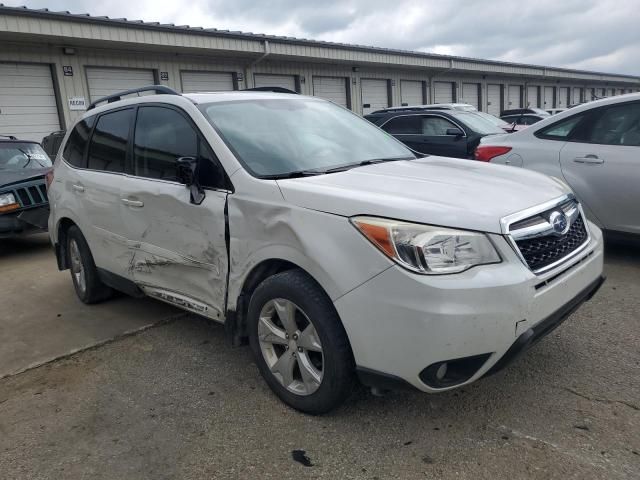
<point x="450" y="373"/>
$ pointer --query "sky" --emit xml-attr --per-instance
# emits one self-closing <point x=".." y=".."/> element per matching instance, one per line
<point x="600" y="35"/>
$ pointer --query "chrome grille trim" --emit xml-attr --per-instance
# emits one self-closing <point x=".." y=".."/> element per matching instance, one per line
<point x="530" y="224"/>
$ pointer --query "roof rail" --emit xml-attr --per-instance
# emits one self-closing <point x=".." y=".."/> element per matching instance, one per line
<point x="270" y="89"/>
<point x="10" y="137"/>
<point x="419" y="108"/>
<point x="157" y="89"/>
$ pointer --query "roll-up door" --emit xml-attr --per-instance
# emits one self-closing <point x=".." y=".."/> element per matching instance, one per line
<point x="471" y="94"/>
<point x="284" y="81"/>
<point x="532" y="97"/>
<point x="375" y="95"/>
<point x="443" y="92"/>
<point x="515" y="97"/>
<point x="577" y="95"/>
<point x="563" y="97"/>
<point x="331" y="88"/>
<point x="548" y="98"/>
<point x="28" y="108"/>
<point x="206" y="82"/>
<point x="411" y="93"/>
<point x="494" y="99"/>
<point x="107" y="81"/>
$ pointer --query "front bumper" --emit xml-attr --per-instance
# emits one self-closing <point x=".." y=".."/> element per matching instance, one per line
<point x="24" y="222"/>
<point x="400" y="323"/>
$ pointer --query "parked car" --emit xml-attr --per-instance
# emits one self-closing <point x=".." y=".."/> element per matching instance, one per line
<point x="318" y="237"/>
<point x="553" y="111"/>
<point x="523" y="120"/>
<point x="432" y="106"/>
<point x="524" y="111"/>
<point x="594" y="148"/>
<point x="445" y="132"/>
<point x="51" y="143"/>
<point x="498" y="122"/>
<point x="24" y="207"/>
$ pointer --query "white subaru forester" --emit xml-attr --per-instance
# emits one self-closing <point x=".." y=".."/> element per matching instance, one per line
<point x="328" y="244"/>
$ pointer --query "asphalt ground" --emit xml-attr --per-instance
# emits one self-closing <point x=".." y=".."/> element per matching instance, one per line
<point x="167" y="397"/>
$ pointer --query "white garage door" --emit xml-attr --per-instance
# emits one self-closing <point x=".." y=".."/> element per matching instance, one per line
<point x="443" y="92"/>
<point x="28" y="107"/>
<point x="206" y="82"/>
<point x="494" y="103"/>
<point x="411" y="93"/>
<point x="532" y="97"/>
<point x="333" y="89"/>
<point x="471" y="94"/>
<point x="515" y="96"/>
<point x="548" y="97"/>
<point x="284" y="81"/>
<point x="375" y="95"/>
<point x="563" y="97"/>
<point x="106" y="81"/>
<point x="577" y="94"/>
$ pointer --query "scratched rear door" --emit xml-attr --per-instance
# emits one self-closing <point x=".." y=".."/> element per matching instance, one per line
<point x="179" y="249"/>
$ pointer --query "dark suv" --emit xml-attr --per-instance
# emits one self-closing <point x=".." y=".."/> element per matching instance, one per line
<point x="24" y="207"/>
<point x="436" y="131"/>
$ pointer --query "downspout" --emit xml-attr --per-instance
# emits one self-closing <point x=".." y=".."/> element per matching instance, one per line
<point x="249" y="68"/>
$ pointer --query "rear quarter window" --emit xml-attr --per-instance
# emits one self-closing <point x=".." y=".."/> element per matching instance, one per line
<point x="76" y="145"/>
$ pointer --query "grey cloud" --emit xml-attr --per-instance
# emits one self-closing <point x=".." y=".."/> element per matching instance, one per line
<point x="594" y="34"/>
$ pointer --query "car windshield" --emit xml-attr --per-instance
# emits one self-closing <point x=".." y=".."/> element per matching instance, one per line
<point x="18" y="156"/>
<point x="478" y="123"/>
<point x="277" y="137"/>
<point x="498" y="122"/>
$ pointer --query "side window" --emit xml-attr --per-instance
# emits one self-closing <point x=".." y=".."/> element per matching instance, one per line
<point x="162" y="136"/>
<point x="560" y="130"/>
<point x="617" y="125"/>
<point x="210" y="173"/>
<point x="405" y="125"/>
<point x="74" y="149"/>
<point x="436" y="126"/>
<point x="108" y="148"/>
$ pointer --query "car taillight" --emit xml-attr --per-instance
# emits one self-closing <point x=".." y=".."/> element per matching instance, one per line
<point x="485" y="153"/>
<point x="48" y="178"/>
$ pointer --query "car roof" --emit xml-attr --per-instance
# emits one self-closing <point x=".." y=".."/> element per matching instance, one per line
<point x="16" y="140"/>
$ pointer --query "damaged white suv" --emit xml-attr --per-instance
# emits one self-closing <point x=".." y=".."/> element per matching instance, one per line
<point x="319" y="238"/>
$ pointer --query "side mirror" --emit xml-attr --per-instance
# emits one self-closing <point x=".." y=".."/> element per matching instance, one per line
<point x="187" y="173"/>
<point x="454" y="132"/>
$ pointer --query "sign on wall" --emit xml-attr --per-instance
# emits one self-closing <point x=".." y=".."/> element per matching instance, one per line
<point x="67" y="70"/>
<point x="164" y="76"/>
<point x="77" y="103"/>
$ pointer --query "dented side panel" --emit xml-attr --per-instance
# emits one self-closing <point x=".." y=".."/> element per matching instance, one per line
<point x="264" y="227"/>
<point x="178" y="249"/>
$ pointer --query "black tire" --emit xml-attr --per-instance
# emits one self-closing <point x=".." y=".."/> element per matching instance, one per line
<point x="94" y="290"/>
<point x="338" y="365"/>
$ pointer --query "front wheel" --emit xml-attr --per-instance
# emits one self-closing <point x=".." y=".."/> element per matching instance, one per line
<point x="299" y="344"/>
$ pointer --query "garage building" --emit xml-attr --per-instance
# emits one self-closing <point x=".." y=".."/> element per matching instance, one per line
<point x="54" y="64"/>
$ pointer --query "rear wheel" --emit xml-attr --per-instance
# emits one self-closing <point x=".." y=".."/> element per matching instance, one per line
<point x="84" y="273"/>
<point x="299" y="344"/>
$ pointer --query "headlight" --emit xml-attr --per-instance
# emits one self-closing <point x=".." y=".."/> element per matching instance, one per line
<point x="426" y="249"/>
<point x="8" y="202"/>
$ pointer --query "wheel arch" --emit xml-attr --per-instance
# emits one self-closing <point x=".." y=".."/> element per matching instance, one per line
<point x="62" y="229"/>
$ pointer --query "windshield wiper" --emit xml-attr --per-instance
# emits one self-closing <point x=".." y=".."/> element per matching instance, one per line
<point x="364" y="163"/>
<point x="294" y="174"/>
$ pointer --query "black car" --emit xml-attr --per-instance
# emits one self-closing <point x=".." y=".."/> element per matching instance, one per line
<point x="444" y="132"/>
<point x="524" y="116"/>
<point x="24" y="207"/>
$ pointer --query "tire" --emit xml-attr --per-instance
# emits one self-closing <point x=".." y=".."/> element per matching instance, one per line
<point x="84" y="273"/>
<point x="294" y="290"/>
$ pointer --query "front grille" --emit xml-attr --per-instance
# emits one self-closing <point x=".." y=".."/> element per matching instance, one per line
<point x="30" y="195"/>
<point x="540" y="252"/>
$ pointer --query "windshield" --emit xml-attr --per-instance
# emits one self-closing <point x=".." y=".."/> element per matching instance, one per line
<point x="478" y="123"/>
<point x="493" y="119"/>
<point x="18" y="156"/>
<point x="276" y="137"/>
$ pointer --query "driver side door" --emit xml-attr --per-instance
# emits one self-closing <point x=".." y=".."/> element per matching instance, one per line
<point x="178" y="249"/>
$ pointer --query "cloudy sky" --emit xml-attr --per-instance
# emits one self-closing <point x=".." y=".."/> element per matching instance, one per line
<point x="601" y="35"/>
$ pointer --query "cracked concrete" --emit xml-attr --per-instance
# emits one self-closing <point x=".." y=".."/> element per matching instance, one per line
<point x="176" y="401"/>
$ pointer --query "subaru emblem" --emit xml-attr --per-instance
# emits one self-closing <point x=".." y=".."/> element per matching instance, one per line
<point x="559" y="222"/>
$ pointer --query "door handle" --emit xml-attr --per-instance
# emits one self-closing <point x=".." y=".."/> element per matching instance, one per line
<point x="78" y="188"/>
<point x="132" y="203"/>
<point x="589" y="159"/>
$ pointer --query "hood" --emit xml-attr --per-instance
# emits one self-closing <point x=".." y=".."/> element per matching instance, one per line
<point x="461" y="194"/>
<point x="10" y="177"/>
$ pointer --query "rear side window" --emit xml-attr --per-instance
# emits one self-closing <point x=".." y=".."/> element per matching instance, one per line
<point x="162" y="136"/>
<point x="76" y="144"/>
<point x="560" y="130"/>
<point x="617" y="125"/>
<point x="406" y="125"/>
<point x="108" y="148"/>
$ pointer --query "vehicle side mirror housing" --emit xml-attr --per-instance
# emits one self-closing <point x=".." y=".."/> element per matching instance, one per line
<point x="455" y="132"/>
<point x="187" y="173"/>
